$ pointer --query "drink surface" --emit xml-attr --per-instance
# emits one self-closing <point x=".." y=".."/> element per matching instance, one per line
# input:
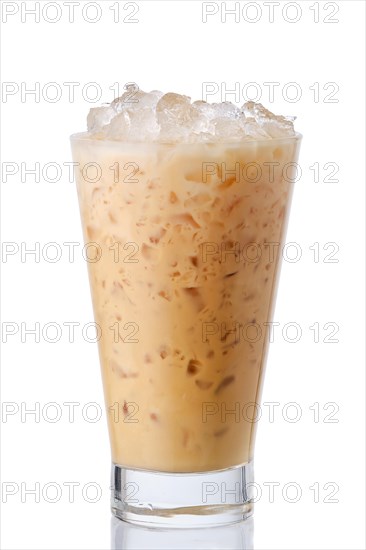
<point x="188" y="238"/>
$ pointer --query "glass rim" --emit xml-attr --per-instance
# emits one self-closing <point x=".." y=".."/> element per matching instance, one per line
<point x="85" y="137"/>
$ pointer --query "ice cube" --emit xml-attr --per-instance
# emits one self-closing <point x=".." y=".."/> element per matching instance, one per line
<point x="143" y="125"/>
<point x="133" y="100"/>
<point x="205" y="109"/>
<point x="273" y="125"/>
<point x="99" y="117"/>
<point x="174" y="108"/>
<point x="252" y="130"/>
<point x="228" y="129"/>
<point x="176" y="116"/>
<point x="119" y="127"/>
<point x="226" y="109"/>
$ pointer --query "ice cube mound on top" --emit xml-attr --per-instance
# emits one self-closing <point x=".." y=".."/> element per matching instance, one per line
<point x="139" y="116"/>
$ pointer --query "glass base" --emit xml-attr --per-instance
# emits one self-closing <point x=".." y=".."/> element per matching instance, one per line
<point x="182" y="499"/>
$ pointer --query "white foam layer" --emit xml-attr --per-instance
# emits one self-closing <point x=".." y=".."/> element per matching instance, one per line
<point x="157" y="117"/>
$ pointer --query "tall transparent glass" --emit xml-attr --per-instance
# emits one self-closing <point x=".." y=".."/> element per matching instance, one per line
<point x="184" y="255"/>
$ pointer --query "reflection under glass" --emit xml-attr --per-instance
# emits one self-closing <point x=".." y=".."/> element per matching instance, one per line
<point x="129" y="536"/>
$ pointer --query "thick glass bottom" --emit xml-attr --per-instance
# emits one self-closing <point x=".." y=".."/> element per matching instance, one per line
<point x="179" y="500"/>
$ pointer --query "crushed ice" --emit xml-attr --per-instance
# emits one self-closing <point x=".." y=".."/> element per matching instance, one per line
<point x="140" y="116"/>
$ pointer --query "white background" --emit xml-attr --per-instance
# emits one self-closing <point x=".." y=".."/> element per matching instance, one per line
<point x="171" y="49"/>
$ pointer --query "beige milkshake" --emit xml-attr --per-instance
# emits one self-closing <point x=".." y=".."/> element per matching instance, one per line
<point x="187" y="221"/>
